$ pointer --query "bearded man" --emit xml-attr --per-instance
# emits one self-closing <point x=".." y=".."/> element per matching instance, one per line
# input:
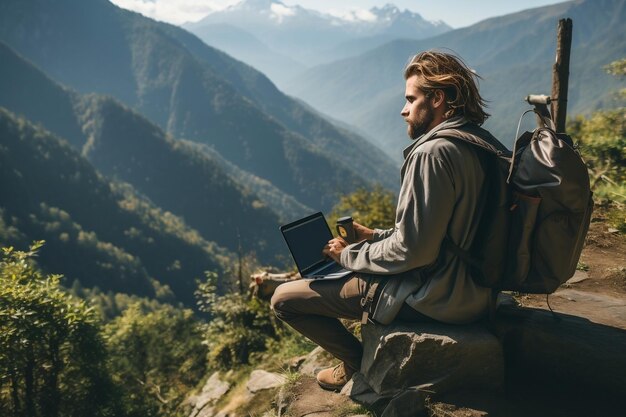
<point x="405" y="273"/>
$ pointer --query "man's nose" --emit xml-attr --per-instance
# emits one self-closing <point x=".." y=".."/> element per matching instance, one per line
<point x="405" y="110"/>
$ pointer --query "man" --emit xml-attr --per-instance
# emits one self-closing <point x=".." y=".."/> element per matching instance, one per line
<point x="413" y="277"/>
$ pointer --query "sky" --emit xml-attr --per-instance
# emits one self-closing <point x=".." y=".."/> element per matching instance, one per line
<point x="456" y="13"/>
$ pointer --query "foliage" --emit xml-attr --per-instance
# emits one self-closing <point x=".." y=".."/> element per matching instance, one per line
<point x="238" y="327"/>
<point x="602" y="140"/>
<point x="157" y="356"/>
<point x="618" y="69"/>
<point x="52" y="357"/>
<point x="373" y="208"/>
<point x="110" y="305"/>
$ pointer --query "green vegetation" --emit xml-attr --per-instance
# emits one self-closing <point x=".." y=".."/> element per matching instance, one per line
<point x="602" y="140"/>
<point x="59" y="358"/>
<point x="238" y="327"/>
<point x="52" y="355"/>
<point x="157" y="356"/>
<point x="375" y="208"/>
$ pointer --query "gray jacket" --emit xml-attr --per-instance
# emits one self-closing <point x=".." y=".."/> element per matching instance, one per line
<point x="441" y="182"/>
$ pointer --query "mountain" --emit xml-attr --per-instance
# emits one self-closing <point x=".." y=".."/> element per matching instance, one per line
<point x="514" y="55"/>
<point x="101" y="233"/>
<point x="246" y="47"/>
<point x="124" y="145"/>
<point x="194" y="92"/>
<point x="306" y="36"/>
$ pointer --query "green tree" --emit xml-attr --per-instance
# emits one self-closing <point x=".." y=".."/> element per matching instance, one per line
<point x="238" y="326"/>
<point x="374" y="208"/>
<point x="157" y="355"/>
<point x="52" y="357"/>
<point x="602" y="139"/>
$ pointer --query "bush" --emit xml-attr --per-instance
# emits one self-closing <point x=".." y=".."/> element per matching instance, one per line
<point x="602" y="140"/>
<point x="157" y="355"/>
<point x="374" y="208"/>
<point x="52" y="357"/>
<point x="238" y="326"/>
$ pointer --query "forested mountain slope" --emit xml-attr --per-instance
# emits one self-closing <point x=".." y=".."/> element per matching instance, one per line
<point x="98" y="232"/>
<point x="124" y="145"/>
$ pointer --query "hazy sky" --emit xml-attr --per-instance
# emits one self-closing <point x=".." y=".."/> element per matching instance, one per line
<point x="456" y="13"/>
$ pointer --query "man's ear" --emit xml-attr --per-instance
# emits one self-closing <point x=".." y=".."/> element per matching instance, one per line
<point x="438" y="98"/>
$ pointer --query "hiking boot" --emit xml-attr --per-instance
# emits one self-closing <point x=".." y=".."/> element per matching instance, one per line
<point x="334" y="378"/>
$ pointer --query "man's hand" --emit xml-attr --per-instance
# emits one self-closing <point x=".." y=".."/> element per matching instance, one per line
<point x="334" y="247"/>
<point x="362" y="232"/>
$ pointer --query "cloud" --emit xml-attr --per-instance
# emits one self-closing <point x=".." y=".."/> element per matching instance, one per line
<point x="175" y="11"/>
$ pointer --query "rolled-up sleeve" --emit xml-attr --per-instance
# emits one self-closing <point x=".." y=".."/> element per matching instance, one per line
<point x="425" y="206"/>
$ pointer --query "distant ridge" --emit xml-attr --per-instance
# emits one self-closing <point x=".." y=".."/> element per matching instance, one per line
<point x="307" y="36"/>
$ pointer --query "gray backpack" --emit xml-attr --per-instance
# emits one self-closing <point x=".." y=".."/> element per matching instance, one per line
<point x="537" y="208"/>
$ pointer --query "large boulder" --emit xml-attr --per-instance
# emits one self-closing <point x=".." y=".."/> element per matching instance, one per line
<point x="403" y="363"/>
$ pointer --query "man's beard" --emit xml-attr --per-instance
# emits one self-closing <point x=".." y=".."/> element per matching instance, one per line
<point x="420" y="126"/>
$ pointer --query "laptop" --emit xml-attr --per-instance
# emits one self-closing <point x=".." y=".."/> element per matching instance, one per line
<point x="306" y="238"/>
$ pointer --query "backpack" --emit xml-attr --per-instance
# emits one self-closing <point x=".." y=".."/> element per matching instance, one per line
<point x="537" y="206"/>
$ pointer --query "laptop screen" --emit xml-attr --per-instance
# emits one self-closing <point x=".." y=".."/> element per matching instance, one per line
<point x="306" y="238"/>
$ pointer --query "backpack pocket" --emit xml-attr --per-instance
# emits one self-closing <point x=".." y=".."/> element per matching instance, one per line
<point x="559" y="240"/>
<point x="523" y="214"/>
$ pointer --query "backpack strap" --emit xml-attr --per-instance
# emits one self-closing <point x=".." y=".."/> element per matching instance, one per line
<point x="475" y="136"/>
<point x="488" y="147"/>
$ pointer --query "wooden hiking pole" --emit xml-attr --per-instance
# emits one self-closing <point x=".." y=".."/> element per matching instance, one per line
<point x="560" y="73"/>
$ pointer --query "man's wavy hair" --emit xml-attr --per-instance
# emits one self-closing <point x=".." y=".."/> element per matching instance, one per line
<point x="448" y="73"/>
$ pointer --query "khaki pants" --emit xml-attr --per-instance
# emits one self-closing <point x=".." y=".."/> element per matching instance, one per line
<point x="313" y="307"/>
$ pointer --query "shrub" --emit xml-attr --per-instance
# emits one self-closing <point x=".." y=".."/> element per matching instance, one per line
<point x="238" y="326"/>
<point x="52" y="357"/>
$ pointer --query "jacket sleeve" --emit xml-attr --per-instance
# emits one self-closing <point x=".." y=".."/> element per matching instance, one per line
<point x="425" y="206"/>
<point x="380" y="234"/>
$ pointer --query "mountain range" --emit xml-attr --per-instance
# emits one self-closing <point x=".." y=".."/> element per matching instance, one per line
<point x="194" y="92"/>
<point x="282" y="40"/>
<point x="123" y="145"/>
<point x="514" y="55"/>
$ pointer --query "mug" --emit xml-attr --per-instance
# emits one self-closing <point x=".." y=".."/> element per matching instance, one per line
<point x="345" y="229"/>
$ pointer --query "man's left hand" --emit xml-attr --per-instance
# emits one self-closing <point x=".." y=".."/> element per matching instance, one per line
<point x="334" y="247"/>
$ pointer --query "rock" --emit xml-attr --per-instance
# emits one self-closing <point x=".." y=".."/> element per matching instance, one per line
<point x="260" y="380"/>
<point x="295" y="363"/>
<point x="318" y="358"/>
<point x="403" y="363"/>
<point x="212" y="390"/>
<point x="206" y="412"/>
<point x="579" y="276"/>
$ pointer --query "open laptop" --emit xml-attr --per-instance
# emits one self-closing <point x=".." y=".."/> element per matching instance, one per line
<point x="306" y="238"/>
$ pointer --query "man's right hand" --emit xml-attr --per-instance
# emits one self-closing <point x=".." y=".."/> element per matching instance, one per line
<point x="362" y="232"/>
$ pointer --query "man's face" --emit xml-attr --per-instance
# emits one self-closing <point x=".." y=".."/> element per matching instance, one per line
<point x="418" y="111"/>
